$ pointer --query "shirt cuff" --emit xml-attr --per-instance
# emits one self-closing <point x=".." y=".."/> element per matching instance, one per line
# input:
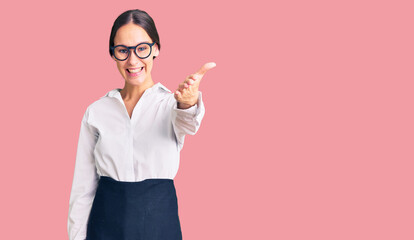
<point x="193" y="110"/>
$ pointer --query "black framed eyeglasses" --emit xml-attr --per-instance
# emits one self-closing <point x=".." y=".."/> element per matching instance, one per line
<point x="122" y="52"/>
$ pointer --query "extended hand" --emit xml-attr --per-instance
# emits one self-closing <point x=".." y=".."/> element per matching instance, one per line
<point x="187" y="91"/>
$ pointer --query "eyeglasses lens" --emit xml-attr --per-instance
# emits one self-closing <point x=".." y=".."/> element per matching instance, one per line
<point x="143" y="50"/>
<point x="121" y="52"/>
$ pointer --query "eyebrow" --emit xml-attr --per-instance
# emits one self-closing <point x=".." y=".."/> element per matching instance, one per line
<point x="134" y="45"/>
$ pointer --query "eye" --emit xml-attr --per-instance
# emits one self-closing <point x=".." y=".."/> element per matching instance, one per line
<point x="143" y="48"/>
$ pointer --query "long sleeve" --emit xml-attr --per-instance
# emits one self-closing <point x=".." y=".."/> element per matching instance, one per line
<point x="187" y="121"/>
<point x="85" y="181"/>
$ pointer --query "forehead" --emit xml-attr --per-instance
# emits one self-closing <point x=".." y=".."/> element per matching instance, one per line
<point x="131" y="34"/>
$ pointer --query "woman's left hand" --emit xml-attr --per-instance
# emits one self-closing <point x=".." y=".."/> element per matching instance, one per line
<point x="187" y="91"/>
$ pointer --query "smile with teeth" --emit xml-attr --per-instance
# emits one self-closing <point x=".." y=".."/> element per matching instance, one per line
<point x="135" y="70"/>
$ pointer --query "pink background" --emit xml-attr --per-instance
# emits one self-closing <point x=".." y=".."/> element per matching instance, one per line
<point x="308" y="132"/>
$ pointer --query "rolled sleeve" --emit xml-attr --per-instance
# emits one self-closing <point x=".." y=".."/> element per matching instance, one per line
<point x="187" y="121"/>
<point x="85" y="181"/>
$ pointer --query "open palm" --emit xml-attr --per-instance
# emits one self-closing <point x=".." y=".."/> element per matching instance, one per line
<point x="187" y="91"/>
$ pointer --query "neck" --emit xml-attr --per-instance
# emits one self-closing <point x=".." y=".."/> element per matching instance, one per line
<point x="134" y="92"/>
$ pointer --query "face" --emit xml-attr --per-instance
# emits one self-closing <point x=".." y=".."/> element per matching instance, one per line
<point x="131" y="35"/>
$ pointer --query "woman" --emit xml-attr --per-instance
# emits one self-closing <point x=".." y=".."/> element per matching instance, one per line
<point x="129" y="144"/>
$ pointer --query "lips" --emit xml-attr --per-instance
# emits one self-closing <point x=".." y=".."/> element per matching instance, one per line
<point x="135" y="70"/>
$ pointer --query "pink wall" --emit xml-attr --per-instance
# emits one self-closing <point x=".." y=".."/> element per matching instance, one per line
<point x="308" y="132"/>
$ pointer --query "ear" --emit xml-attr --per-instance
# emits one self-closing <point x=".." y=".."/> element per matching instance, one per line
<point x="156" y="50"/>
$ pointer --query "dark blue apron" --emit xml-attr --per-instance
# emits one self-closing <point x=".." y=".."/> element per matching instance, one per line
<point x="145" y="210"/>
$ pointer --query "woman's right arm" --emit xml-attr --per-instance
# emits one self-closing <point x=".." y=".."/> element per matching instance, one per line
<point x="85" y="181"/>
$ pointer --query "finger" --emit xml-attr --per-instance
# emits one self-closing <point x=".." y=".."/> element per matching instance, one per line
<point x="205" y="68"/>
<point x="190" y="81"/>
<point x="190" y="77"/>
<point x="183" y="86"/>
<point x="183" y="89"/>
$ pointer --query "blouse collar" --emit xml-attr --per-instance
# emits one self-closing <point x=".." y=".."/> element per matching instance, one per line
<point x="115" y="92"/>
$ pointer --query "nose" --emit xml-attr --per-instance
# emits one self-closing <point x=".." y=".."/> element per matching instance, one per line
<point x="133" y="59"/>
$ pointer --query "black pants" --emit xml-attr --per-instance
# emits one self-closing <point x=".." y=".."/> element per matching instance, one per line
<point x="145" y="210"/>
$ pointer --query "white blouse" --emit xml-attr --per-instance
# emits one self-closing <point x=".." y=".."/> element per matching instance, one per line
<point x="147" y="145"/>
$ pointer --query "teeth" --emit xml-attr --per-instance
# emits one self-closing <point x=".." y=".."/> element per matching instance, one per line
<point x="135" y="70"/>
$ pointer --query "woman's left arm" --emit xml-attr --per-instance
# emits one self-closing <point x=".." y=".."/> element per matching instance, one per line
<point x="189" y="110"/>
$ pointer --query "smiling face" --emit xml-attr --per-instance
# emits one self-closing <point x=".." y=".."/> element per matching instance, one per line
<point x="134" y="70"/>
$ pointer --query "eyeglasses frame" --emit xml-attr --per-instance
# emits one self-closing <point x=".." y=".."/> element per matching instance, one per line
<point x="134" y="48"/>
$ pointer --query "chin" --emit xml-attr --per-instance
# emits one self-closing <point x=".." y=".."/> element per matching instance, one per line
<point x="136" y="81"/>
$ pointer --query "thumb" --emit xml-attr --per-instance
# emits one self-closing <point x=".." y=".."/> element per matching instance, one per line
<point x="205" y="68"/>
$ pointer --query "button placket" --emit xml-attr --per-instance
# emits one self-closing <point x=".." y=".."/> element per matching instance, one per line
<point x="132" y="122"/>
<point x="131" y="173"/>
